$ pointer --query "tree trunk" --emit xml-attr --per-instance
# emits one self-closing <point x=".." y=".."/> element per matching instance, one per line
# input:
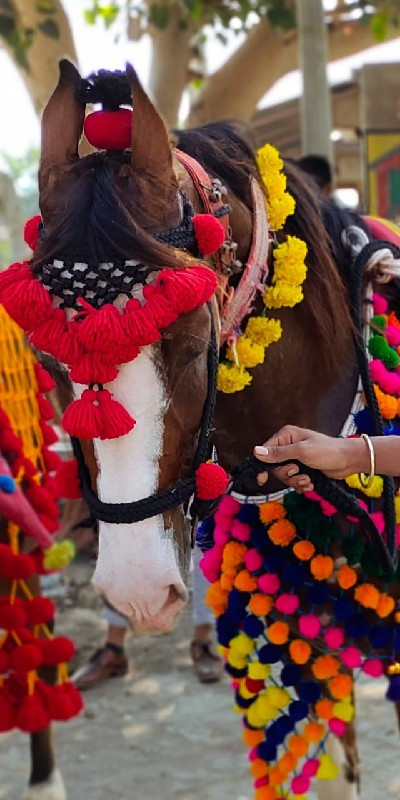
<point x="236" y="88"/>
<point x="45" y="51"/>
<point x="316" y="117"/>
<point x="169" y="71"/>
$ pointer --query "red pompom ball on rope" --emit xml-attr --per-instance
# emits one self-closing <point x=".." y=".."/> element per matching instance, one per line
<point x="109" y="130"/>
<point x="209" y="232"/>
<point x="31" y="231"/>
<point x="211" y="481"/>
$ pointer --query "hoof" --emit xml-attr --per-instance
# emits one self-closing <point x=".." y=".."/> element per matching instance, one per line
<point x="53" y="789"/>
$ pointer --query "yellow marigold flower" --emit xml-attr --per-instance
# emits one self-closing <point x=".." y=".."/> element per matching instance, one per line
<point x="232" y="379"/>
<point x="283" y="295"/>
<point x="247" y="353"/>
<point x="263" y="331"/>
<point x="289" y="261"/>
<point x="279" y="209"/>
<point x="268" y="160"/>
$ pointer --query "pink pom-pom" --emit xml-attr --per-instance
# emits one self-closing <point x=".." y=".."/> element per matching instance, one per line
<point x="269" y="583"/>
<point x="210" y="564"/>
<point x="351" y="657"/>
<point x="287" y="603"/>
<point x="373" y="667"/>
<point x="309" y="626"/>
<point x="310" y="767"/>
<point x="253" y="560"/>
<point x="241" y="531"/>
<point x="228" y="506"/>
<point x="211" y="481"/>
<point x="334" y="637"/>
<point x="392" y="334"/>
<point x="300" y="784"/>
<point x="337" y="726"/>
<point x="221" y="535"/>
<point x="260" y="782"/>
<point x="31" y="231"/>
<point x="209" y="233"/>
<point x="380" y="304"/>
<point x="388" y="381"/>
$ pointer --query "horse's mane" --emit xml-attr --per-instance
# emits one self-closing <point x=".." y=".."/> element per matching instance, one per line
<point x="226" y="150"/>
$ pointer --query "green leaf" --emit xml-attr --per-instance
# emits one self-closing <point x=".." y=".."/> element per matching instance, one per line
<point x="50" y="28"/>
<point x="195" y="8"/>
<point x="379" y="27"/>
<point x="108" y="14"/>
<point x="90" y="16"/>
<point x="45" y="7"/>
<point x="159" y="16"/>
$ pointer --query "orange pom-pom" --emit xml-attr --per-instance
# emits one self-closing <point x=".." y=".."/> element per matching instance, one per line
<point x="252" y="738"/>
<point x="270" y="512"/>
<point x="276" y="777"/>
<point x="385" y="605"/>
<point x="287" y="762"/>
<point x="258" y="768"/>
<point x="234" y="554"/>
<point x="278" y="632"/>
<point x="314" y="731"/>
<point x="260" y="604"/>
<point x="324" y="708"/>
<point x="346" y="577"/>
<point x="282" y="532"/>
<point x="322" y="567"/>
<point x="300" y="651"/>
<point x="215" y="596"/>
<point x="266" y="793"/>
<point x="304" y="550"/>
<point x="227" y="582"/>
<point x="298" y="745"/>
<point x="246" y="582"/>
<point x="341" y="686"/>
<point x="325" y="667"/>
<point x="367" y="595"/>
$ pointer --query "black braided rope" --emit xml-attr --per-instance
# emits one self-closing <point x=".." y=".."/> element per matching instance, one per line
<point x="164" y="499"/>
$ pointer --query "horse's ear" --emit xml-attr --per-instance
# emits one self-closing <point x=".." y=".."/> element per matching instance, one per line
<point x="62" y="122"/>
<point x="151" y="150"/>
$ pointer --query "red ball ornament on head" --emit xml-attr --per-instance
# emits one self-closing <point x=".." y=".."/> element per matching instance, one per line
<point x="109" y="130"/>
<point x="211" y="481"/>
<point x="209" y="233"/>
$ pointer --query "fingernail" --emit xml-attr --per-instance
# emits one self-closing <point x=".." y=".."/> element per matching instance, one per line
<point x="292" y="472"/>
<point x="261" y="451"/>
<point x="304" y="482"/>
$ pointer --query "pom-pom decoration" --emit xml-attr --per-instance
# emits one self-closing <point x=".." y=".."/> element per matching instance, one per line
<point x="211" y="481"/>
<point x="109" y="130"/>
<point x="31" y="231"/>
<point x="209" y="233"/>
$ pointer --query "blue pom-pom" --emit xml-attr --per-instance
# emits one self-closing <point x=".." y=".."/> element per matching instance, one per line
<point x="225" y="630"/>
<point x="235" y="673"/>
<point x="259" y="539"/>
<point x="253" y="626"/>
<point x="294" y="575"/>
<point x="357" y="627"/>
<point x="318" y="594"/>
<point x="243" y="702"/>
<point x="237" y="603"/>
<point x="205" y="534"/>
<point x="344" y="608"/>
<point x="7" y="484"/>
<point x="267" y="751"/>
<point x="309" y="691"/>
<point x="393" y="690"/>
<point x="249" y="514"/>
<point x="279" y="729"/>
<point x="298" y="710"/>
<point x="364" y="422"/>
<point x="270" y="654"/>
<point x="380" y="636"/>
<point x="275" y="561"/>
<point x="396" y="638"/>
<point x="291" y="675"/>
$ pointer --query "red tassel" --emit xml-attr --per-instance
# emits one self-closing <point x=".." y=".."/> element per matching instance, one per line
<point x="57" y="650"/>
<point x="211" y="481"/>
<point x="27" y="302"/>
<point x="67" y="482"/>
<point x="115" y="419"/>
<point x="46" y="410"/>
<point x="31" y="231"/>
<point x="209" y="233"/>
<point x="12" y="617"/>
<point x="44" y="380"/>
<point x="14" y="274"/>
<point x="90" y="368"/>
<point x="49" y="434"/>
<point x="25" y="658"/>
<point x="9" y="442"/>
<point x="187" y="289"/>
<point x="125" y="352"/>
<point x="82" y="417"/>
<point x="18" y="567"/>
<point x="158" y="308"/>
<point x="52" y="460"/>
<point x="101" y="329"/>
<point x="54" y="336"/>
<point x="39" y="610"/>
<point x="138" y="325"/>
<point x="7" y="713"/>
<point x="75" y="697"/>
<point x="32" y="715"/>
<point x="58" y="703"/>
<point x="22" y="464"/>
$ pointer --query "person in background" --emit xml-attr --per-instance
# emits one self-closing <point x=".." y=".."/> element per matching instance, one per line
<point x="319" y="170"/>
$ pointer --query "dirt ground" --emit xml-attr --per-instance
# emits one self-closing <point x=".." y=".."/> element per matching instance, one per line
<point x="158" y="735"/>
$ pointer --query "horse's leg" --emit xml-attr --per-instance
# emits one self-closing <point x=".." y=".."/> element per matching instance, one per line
<point x="344" y="753"/>
<point x="45" y="781"/>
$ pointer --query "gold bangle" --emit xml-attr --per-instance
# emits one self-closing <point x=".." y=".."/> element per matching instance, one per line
<point x="366" y="484"/>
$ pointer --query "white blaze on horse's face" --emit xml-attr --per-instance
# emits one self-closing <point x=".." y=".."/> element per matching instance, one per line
<point x="137" y="568"/>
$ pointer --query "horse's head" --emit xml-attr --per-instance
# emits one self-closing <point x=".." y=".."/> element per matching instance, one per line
<point x="101" y="214"/>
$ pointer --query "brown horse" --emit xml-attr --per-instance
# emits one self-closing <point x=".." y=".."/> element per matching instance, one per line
<point x="110" y="207"/>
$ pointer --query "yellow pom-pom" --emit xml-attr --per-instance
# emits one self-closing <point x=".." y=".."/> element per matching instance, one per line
<point x="242" y="644"/>
<point x="232" y="379"/>
<point x="397" y="508"/>
<point x="375" y="490"/>
<point x="265" y="709"/>
<point x="236" y="660"/>
<point x="258" y="671"/>
<point x="327" y="770"/>
<point x="59" y="555"/>
<point x="343" y="710"/>
<point x="279" y="698"/>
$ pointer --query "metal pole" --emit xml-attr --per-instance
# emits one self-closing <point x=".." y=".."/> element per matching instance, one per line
<point x="316" y="122"/>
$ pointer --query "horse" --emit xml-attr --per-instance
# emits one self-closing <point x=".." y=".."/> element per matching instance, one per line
<point x="118" y="228"/>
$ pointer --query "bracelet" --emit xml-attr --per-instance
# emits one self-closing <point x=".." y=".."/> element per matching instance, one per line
<point x="366" y="484"/>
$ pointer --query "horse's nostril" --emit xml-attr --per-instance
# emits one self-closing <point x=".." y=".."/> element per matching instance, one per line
<point x="176" y="592"/>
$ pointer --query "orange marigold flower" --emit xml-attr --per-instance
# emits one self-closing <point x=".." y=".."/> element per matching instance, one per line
<point x="346" y="577"/>
<point x="252" y="738"/>
<point x="299" y="651"/>
<point x="367" y="595"/>
<point x="385" y="605"/>
<point x="341" y="686"/>
<point x="278" y="632"/>
<point x="322" y="567"/>
<point x="325" y="667"/>
<point x="282" y="532"/>
<point x="258" y="768"/>
<point x="260" y="604"/>
<point x="270" y="512"/>
<point x="324" y="708"/>
<point x="287" y="762"/>
<point x="246" y="582"/>
<point x="314" y="731"/>
<point x="304" y="550"/>
<point x="298" y="745"/>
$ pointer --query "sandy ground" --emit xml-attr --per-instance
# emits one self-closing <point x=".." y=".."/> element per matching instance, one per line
<point x="158" y="735"/>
